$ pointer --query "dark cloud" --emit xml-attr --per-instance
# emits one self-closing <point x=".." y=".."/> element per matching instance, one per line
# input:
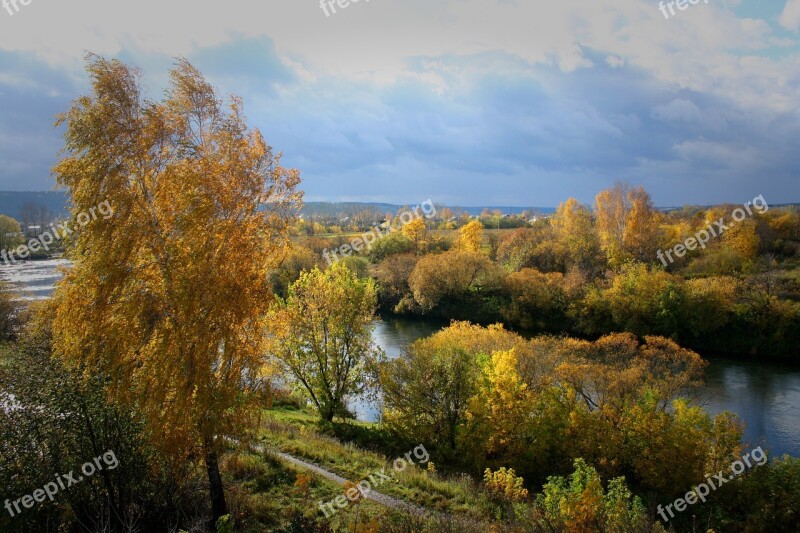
<point x="31" y="94"/>
<point x="473" y="129"/>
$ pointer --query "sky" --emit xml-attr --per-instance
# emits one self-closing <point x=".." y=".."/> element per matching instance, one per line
<point x="466" y="102"/>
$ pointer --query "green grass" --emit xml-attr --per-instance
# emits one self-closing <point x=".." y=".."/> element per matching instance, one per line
<point x="264" y="495"/>
<point x="298" y="433"/>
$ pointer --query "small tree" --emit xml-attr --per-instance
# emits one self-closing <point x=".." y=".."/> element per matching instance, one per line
<point x="415" y="231"/>
<point x="470" y="237"/>
<point x="322" y="334"/>
<point x="10" y="233"/>
<point x="580" y="503"/>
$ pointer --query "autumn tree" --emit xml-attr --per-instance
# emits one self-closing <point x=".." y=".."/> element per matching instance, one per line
<point x="300" y="258"/>
<point x="470" y="237"/>
<point x="415" y="231"/>
<point x="627" y="223"/>
<point x="392" y="275"/>
<point x="537" y="300"/>
<point x="633" y="395"/>
<point x="641" y="299"/>
<point x="168" y="297"/>
<point x="322" y="334"/>
<point x="427" y="392"/>
<point x="451" y="277"/>
<point x="446" y="217"/>
<point x="573" y="226"/>
<point x="642" y="232"/>
<point x="742" y="238"/>
<point x="533" y="248"/>
<point x="505" y="406"/>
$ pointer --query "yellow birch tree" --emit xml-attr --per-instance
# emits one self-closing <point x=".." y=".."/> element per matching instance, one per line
<point x="470" y="237"/>
<point x="168" y="297"/>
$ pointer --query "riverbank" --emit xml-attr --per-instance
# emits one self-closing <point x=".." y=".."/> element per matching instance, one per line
<point x="763" y="393"/>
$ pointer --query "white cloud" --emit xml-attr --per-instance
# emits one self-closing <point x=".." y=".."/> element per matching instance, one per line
<point x="375" y="40"/>
<point x="790" y="18"/>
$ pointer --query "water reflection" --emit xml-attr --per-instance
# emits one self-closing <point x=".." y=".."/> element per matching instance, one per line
<point x="764" y="395"/>
<point x="392" y="336"/>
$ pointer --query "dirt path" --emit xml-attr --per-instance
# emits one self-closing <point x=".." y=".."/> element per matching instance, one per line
<point x="373" y="495"/>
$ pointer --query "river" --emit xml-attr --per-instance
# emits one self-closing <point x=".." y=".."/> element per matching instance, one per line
<point x="765" y="395"/>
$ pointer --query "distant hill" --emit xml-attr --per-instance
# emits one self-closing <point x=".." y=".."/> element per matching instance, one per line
<point x="336" y="208"/>
<point x="12" y="202"/>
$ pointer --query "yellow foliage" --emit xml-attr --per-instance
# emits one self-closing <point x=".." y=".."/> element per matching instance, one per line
<point x="470" y="237"/>
<point x="742" y="238"/>
<point x="168" y="298"/>
<point x="505" y="406"/>
<point x="627" y="223"/>
<point x="504" y="483"/>
<point x="415" y="230"/>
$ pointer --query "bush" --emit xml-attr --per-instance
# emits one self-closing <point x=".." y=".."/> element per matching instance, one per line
<point x="581" y="504"/>
<point x="392" y="244"/>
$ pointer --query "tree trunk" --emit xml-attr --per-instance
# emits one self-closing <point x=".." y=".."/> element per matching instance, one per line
<point x="217" y="491"/>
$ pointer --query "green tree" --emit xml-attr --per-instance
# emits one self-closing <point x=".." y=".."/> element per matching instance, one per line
<point x="321" y="333"/>
<point x="391" y="244"/>
<point x="453" y="277"/>
<point x="10" y="233"/>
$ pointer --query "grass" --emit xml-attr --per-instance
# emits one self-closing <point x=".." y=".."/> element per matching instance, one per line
<point x="298" y="433"/>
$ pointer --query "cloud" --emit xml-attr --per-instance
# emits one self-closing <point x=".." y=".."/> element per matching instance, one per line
<point x="517" y="102"/>
<point x="790" y="17"/>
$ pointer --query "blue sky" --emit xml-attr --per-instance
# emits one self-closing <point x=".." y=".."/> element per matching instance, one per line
<point x="469" y="102"/>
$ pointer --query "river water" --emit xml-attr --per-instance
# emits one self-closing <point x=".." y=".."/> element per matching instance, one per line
<point x="766" y="396"/>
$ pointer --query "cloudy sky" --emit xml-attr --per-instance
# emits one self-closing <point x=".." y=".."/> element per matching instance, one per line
<point x="469" y="102"/>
